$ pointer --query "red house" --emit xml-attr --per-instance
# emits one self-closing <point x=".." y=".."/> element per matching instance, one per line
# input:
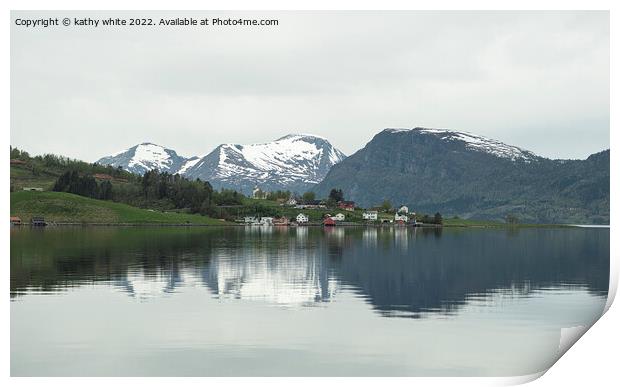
<point x="346" y="205"/>
<point x="329" y="222"/>
<point x="283" y="221"/>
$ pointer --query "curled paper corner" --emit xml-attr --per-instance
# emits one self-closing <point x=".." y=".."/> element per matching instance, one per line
<point x="523" y="379"/>
<point x="614" y="271"/>
<point x="613" y="286"/>
<point x="569" y="336"/>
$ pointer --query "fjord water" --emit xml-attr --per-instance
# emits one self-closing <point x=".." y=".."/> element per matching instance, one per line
<point x="305" y="301"/>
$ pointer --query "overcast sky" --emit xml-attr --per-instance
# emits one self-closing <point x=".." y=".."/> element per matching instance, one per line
<point x="538" y="80"/>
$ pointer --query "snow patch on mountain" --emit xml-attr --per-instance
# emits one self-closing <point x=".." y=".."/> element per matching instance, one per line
<point x="290" y="153"/>
<point x="476" y="143"/>
<point x="145" y="157"/>
<point x="150" y="156"/>
<point x="188" y="164"/>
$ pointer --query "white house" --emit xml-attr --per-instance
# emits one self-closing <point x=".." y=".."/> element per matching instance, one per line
<point x="398" y="217"/>
<point x="302" y="218"/>
<point x="266" y="221"/>
<point x="249" y="219"/>
<point x="291" y="201"/>
<point x="370" y="215"/>
<point x="403" y="210"/>
<point x="339" y="217"/>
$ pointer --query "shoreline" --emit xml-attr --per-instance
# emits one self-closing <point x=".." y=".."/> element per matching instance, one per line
<point x="428" y="226"/>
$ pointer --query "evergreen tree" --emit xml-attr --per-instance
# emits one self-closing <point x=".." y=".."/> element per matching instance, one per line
<point x="308" y="196"/>
<point x="105" y="190"/>
<point x="386" y="205"/>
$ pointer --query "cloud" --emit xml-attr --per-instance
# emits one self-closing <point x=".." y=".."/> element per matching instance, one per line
<point x="539" y="80"/>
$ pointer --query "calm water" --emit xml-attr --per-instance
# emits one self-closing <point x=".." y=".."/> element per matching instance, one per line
<point x="305" y="301"/>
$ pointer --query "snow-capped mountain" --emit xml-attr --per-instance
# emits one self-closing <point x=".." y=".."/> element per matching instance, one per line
<point x="147" y="156"/>
<point x="459" y="173"/>
<point x="293" y="162"/>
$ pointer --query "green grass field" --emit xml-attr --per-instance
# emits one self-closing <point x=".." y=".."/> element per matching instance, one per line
<point x="61" y="207"/>
<point x="22" y="176"/>
<point x="472" y="222"/>
<point x="452" y="222"/>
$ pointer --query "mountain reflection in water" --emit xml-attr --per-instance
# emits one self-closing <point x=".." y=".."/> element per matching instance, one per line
<point x="402" y="272"/>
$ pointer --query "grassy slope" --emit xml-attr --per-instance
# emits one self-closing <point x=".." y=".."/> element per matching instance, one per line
<point x="490" y="223"/>
<point x="22" y="176"/>
<point x="471" y="222"/>
<point x="64" y="207"/>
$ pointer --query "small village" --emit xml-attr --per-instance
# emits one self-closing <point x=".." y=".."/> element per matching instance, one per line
<point x="259" y="207"/>
<point x="331" y="212"/>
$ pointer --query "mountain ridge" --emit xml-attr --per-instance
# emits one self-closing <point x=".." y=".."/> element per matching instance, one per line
<point x="457" y="173"/>
<point x="293" y="162"/>
<point x="452" y="172"/>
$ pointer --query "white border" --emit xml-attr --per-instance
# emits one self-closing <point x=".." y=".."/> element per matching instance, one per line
<point x="594" y="358"/>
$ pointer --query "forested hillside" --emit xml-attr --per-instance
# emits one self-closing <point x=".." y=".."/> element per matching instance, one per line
<point x="473" y="177"/>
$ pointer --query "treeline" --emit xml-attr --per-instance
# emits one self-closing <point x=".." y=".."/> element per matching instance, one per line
<point x="196" y="195"/>
<point x="54" y="164"/>
<point x="84" y="185"/>
<point x="153" y="189"/>
<point x="278" y="195"/>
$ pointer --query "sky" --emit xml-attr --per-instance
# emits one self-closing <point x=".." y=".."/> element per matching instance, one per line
<point x="537" y="80"/>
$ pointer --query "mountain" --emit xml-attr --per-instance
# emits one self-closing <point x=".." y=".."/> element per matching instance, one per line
<point x="147" y="156"/>
<point x="294" y="162"/>
<point x="457" y="173"/>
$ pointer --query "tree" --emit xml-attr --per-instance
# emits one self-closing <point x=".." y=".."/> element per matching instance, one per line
<point x="308" y="196"/>
<point x="438" y="219"/>
<point x="72" y="182"/>
<point x="227" y="197"/>
<point x="19" y="154"/>
<point x="386" y="205"/>
<point x="278" y="195"/>
<point x="105" y="190"/>
<point x="336" y="195"/>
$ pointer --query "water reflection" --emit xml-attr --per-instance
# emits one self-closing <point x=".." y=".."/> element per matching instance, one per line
<point x="398" y="271"/>
<point x="276" y="277"/>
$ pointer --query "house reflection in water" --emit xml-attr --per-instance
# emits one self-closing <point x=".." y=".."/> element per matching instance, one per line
<point x="369" y="237"/>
